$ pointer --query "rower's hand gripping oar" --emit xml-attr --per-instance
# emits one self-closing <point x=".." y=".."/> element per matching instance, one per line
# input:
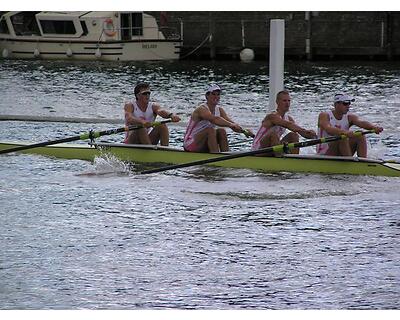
<point x="278" y="148"/>
<point x="248" y="133"/>
<point x="88" y="135"/>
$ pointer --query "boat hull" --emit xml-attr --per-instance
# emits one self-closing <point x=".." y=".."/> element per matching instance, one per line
<point x="157" y="154"/>
<point x="89" y="50"/>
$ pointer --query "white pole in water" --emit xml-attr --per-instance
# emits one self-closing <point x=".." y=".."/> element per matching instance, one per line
<point x="276" y="59"/>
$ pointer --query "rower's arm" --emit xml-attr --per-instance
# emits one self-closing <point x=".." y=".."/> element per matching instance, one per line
<point x="165" y="113"/>
<point x="364" y="124"/>
<point x="292" y="126"/>
<point x="236" y="127"/>
<point x="225" y="115"/>
<point x="205" y="114"/>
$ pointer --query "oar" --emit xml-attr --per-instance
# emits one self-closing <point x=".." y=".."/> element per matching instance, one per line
<point x="247" y="133"/>
<point x="278" y="148"/>
<point x="84" y="136"/>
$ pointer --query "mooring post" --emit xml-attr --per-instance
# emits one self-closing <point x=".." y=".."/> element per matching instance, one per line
<point x="308" y="18"/>
<point x="211" y="39"/>
<point x="276" y="59"/>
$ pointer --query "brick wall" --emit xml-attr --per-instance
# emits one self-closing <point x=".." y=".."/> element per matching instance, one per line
<point x="333" y="34"/>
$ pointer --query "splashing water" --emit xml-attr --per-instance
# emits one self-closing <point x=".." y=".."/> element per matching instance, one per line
<point x="107" y="165"/>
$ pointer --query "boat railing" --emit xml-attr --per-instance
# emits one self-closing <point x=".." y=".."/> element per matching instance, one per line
<point x="157" y="33"/>
<point x="170" y="33"/>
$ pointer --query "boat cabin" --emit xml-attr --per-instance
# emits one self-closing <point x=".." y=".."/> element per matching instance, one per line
<point x="88" y="25"/>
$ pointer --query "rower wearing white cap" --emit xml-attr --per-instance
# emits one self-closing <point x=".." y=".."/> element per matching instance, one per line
<point x="202" y="134"/>
<point x="338" y="122"/>
<point x="143" y="112"/>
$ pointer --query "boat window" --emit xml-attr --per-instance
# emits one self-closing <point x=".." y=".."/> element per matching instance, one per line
<point x="4" y="27"/>
<point x="137" y="24"/>
<point x="58" y="27"/>
<point x="25" y="24"/>
<point x="131" y="25"/>
<point x="84" y="28"/>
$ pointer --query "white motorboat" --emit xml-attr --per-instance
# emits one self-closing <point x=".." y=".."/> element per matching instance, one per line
<point x="89" y="35"/>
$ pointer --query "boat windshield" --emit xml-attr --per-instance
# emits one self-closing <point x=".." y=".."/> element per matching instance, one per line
<point x="4" y="26"/>
<point x="25" y="24"/>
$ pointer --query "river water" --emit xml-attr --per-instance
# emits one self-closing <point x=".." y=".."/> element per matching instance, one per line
<point x="81" y="235"/>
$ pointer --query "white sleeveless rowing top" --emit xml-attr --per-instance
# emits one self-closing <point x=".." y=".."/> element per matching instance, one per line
<point x="147" y="115"/>
<point x="195" y="127"/>
<point x="280" y="131"/>
<point x="341" y="124"/>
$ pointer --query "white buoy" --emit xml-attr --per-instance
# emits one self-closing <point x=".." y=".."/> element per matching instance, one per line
<point x="36" y="53"/>
<point x="5" y="53"/>
<point x="69" y="52"/>
<point x="247" y="55"/>
<point x="276" y="59"/>
<point x="98" y="53"/>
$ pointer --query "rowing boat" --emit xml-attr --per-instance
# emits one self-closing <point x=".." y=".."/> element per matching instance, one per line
<point x="159" y="154"/>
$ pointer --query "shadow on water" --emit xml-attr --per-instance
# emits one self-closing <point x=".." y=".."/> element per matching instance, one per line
<point x="250" y="195"/>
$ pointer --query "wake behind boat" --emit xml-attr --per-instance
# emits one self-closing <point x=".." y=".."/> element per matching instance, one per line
<point x="158" y="154"/>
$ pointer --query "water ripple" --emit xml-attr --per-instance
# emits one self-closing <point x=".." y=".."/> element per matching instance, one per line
<point x="81" y="235"/>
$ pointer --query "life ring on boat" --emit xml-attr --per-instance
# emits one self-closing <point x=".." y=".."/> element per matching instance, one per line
<point x="108" y="27"/>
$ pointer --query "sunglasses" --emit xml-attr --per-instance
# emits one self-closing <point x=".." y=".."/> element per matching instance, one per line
<point x="346" y="103"/>
<point x="216" y="93"/>
<point x="145" y="93"/>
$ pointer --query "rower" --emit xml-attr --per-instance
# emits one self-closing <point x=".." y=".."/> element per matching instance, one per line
<point x="274" y="126"/>
<point x="338" y="122"/>
<point x="143" y="112"/>
<point x="201" y="133"/>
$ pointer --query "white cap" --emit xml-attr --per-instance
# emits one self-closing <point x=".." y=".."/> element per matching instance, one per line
<point x="341" y="97"/>
<point x="213" y="87"/>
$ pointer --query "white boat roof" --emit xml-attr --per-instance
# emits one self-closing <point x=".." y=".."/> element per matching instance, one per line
<point x="62" y="14"/>
<point x="70" y="14"/>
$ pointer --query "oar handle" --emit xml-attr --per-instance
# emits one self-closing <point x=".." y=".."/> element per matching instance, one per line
<point x="135" y="127"/>
<point x="248" y="134"/>
<point x="159" y="123"/>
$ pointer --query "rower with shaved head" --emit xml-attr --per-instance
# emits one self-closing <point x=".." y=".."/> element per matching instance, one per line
<point x="274" y="125"/>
